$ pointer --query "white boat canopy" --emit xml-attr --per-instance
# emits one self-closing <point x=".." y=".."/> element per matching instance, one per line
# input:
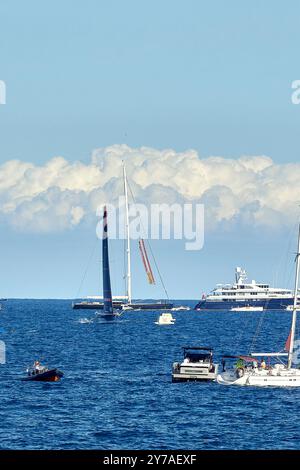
<point x="269" y="354"/>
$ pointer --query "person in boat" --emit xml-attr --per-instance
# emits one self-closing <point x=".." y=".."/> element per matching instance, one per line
<point x="223" y="364"/>
<point x="38" y="368"/>
<point x="240" y="367"/>
<point x="263" y="364"/>
<point x="240" y="364"/>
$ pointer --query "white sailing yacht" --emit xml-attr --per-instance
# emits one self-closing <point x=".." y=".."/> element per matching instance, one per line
<point x="252" y="370"/>
<point x="130" y="304"/>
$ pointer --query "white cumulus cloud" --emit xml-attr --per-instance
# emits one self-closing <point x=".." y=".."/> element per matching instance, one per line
<point x="59" y="195"/>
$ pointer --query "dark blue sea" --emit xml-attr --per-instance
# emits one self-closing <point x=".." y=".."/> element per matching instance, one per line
<point x="117" y="391"/>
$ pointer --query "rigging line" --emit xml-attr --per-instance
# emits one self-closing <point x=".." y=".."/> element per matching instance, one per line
<point x="259" y="326"/>
<point x="257" y="331"/>
<point x="159" y="274"/>
<point x="290" y="237"/>
<point x="290" y="276"/>
<point x="283" y="260"/>
<point x="289" y="273"/>
<point x="86" y="269"/>
<point x="124" y="267"/>
<point x="243" y="330"/>
<point x="149" y="246"/>
<point x="286" y="257"/>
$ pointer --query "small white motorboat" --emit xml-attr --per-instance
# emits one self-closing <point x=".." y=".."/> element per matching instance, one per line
<point x="197" y="365"/>
<point x="247" y="308"/>
<point x="165" y="319"/>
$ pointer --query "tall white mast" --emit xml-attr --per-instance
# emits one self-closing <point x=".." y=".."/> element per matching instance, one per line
<point x="294" y="318"/>
<point x="127" y="237"/>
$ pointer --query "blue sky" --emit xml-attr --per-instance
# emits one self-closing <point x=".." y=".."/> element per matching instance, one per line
<point x="212" y="76"/>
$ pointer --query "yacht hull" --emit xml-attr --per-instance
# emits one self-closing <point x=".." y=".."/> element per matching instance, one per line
<point x="270" y="304"/>
<point x="286" y="378"/>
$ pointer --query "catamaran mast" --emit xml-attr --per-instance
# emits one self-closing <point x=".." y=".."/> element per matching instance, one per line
<point x="294" y="318"/>
<point x="127" y="237"/>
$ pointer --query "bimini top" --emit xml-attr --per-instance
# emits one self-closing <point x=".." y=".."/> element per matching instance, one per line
<point x="197" y="354"/>
<point x="244" y="358"/>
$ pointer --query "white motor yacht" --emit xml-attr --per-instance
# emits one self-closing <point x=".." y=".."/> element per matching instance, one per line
<point x="197" y="365"/>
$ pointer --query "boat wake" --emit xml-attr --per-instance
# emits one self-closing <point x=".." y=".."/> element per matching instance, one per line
<point x="85" y="320"/>
<point x="101" y="319"/>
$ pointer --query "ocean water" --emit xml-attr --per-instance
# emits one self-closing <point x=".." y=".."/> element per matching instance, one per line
<point x="117" y="391"/>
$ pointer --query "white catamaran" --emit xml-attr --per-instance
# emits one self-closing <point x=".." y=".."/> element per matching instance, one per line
<point x="253" y="370"/>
